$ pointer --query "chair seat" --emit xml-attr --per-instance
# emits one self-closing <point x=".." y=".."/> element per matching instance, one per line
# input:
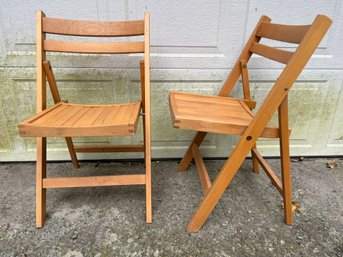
<point x="68" y="120"/>
<point x="213" y="114"/>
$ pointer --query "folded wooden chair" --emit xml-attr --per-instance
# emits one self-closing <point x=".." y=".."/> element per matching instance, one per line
<point x="221" y="114"/>
<point x="69" y="120"/>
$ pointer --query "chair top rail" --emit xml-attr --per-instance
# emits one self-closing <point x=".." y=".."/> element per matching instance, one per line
<point x="284" y="33"/>
<point x="92" y="28"/>
<point x="93" y="47"/>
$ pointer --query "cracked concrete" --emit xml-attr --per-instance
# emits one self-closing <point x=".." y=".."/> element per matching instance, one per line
<point x="110" y="221"/>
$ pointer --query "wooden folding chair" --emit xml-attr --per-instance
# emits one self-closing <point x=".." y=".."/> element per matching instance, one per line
<point x="221" y="114"/>
<point x="68" y="120"/>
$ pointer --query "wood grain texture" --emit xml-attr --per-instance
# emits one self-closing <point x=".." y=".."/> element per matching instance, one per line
<point x="272" y="53"/>
<point x="52" y="82"/>
<point x="94" y="181"/>
<point x="56" y="122"/>
<point x="284" y="33"/>
<point x="147" y="117"/>
<point x="213" y="114"/>
<point x="108" y="148"/>
<point x="245" y="80"/>
<point x="94" y="48"/>
<point x="269" y="171"/>
<point x="285" y="161"/>
<point x="202" y="171"/>
<point x="188" y="156"/>
<point x="93" y="28"/>
<point x="40" y="141"/>
<point x="226" y="89"/>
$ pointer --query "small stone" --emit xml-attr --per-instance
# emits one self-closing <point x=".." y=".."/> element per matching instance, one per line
<point x="315" y="250"/>
<point x="97" y="255"/>
<point x="331" y="165"/>
<point x="270" y="249"/>
<point x="75" y="235"/>
<point x="282" y="242"/>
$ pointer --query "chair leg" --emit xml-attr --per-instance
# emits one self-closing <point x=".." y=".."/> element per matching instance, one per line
<point x="222" y="181"/>
<point x="72" y="152"/>
<point x="148" y="191"/>
<point x="147" y="161"/>
<point x="188" y="156"/>
<point x="255" y="164"/>
<point x="40" y="175"/>
<point x="285" y="161"/>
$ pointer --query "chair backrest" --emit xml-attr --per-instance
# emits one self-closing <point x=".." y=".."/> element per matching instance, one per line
<point x="80" y="28"/>
<point x="307" y="36"/>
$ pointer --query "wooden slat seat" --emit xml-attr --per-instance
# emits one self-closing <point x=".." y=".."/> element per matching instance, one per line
<point x="67" y="120"/>
<point x="213" y="114"/>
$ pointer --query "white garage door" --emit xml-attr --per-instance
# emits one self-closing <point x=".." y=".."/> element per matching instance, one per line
<point x="194" y="45"/>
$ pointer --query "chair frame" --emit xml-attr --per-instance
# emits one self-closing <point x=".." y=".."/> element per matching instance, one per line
<point x="308" y="37"/>
<point x="44" y="73"/>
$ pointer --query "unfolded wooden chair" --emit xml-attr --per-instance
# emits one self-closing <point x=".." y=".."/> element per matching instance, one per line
<point x="224" y="115"/>
<point x="69" y="120"/>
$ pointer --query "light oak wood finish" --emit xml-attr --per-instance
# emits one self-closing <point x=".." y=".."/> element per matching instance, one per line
<point x="285" y="161"/>
<point x="275" y="54"/>
<point x="106" y="120"/>
<point x="52" y="82"/>
<point x="247" y="97"/>
<point x="93" y="28"/>
<point x="221" y="114"/>
<point x="268" y="170"/>
<point x="40" y="141"/>
<point x="202" y="171"/>
<point x="108" y="148"/>
<point x="94" y="181"/>
<point x="94" y="48"/>
<point x="67" y="120"/>
<point x="284" y="33"/>
<point x="146" y="117"/>
<point x="245" y="81"/>
<point x="226" y="89"/>
<point x="210" y="114"/>
<point x="57" y="98"/>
